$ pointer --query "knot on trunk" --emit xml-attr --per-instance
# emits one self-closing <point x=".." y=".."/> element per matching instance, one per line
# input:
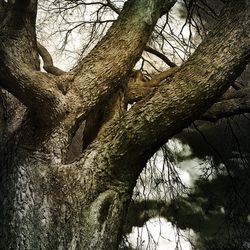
<point x="102" y="208"/>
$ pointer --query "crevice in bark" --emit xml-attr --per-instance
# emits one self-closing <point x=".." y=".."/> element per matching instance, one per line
<point x="12" y="113"/>
<point x="100" y="116"/>
<point x="75" y="146"/>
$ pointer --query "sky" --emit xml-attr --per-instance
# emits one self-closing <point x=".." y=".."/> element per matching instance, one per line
<point x="158" y="234"/>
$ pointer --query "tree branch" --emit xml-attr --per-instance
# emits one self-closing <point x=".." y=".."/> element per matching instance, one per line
<point x="129" y="142"/>
<point x="19" y="73"/>
<point x="48" y="61"/>
<point x="99" y="74"/>
<point x="236" y="103"/>
<point x="160" y="55"/>
<point x="36" y="90"/>
<point x="113" y="7"/>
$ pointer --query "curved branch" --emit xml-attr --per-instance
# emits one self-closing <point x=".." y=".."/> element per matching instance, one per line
<point x="48" y="61"/>
<point x="19" y="73"/>
<point x="161" y="56"/>
<point x="36" y="90"/>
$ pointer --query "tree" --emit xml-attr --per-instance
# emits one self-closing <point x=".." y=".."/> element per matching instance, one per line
<point x="49" y="201"/>
<point x="221" y="199"/>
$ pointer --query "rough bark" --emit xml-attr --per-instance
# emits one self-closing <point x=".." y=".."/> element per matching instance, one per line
<point x="46" y="204"/>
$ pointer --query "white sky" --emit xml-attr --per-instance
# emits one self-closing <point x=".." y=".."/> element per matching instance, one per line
<point x="158" y="234"/>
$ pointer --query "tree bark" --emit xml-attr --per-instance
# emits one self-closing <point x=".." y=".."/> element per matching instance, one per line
<point x="48" y="204"/>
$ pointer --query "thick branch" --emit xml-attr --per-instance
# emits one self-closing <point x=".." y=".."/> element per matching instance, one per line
<point x="198" y="83"/>
<point x="238" y="103"/>
<point x="19" y="73"/>
<point x="100" y="72"/>
<point x="48" y="61"/>
<point x="139" y="88"/>
<point x="34" y="89"/>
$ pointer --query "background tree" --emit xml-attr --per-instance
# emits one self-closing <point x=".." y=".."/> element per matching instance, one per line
<point x="51" y="200"/>
<point x="221" y="196"/>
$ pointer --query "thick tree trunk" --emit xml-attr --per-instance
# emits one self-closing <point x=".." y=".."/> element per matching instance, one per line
<point x="47" y="205"/>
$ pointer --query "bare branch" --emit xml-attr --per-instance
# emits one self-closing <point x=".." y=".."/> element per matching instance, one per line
<point x="236" y="103"/>
<point x="113" y="7"/>
<point x="160" y="55"/>
<point x="48" y="61"/>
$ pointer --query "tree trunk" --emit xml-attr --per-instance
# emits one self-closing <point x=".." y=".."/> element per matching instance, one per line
<point x="47" y="205"/>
